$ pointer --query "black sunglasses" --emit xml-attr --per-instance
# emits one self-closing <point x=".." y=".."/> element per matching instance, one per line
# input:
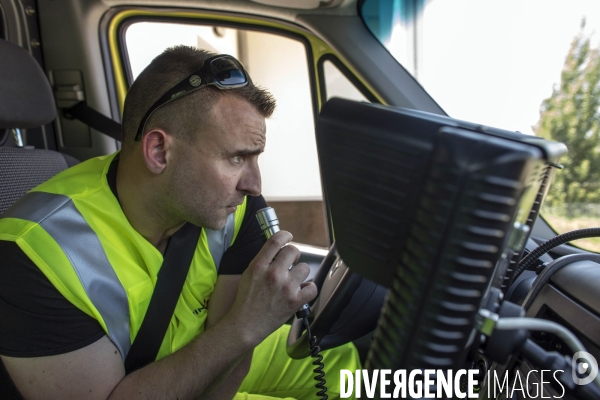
<point x="222" y="71"/>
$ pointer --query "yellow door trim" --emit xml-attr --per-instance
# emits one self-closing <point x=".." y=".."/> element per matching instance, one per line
<point x="318" y="48"/>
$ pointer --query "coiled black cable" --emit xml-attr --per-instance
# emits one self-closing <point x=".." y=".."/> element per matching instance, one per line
<point x="545" y="247"/>
<point x="318" y="362"/>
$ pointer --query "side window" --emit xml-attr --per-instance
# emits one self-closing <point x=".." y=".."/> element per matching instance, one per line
<point x="338" y="85"/>
<point x="289" y="165"/>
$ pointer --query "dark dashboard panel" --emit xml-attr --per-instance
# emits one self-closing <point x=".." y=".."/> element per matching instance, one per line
<point x="566" y="308"/>
<point x="555" y="305"/>
<point x="581" y="281"/>
<point x="572" y="299"/>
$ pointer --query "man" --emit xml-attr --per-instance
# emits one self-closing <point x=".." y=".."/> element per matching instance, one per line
<point x="81" y="252"/>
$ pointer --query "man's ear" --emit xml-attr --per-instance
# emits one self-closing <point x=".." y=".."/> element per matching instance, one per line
<point x="155" y="145"/>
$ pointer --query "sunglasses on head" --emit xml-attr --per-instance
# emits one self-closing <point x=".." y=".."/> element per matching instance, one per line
<point x="222" y="71"/>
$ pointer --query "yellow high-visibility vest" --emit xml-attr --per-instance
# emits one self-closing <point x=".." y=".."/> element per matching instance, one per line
<point x="73" y="228"/>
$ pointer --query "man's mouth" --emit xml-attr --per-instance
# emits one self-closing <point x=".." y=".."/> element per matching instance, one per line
<point x="234" y="207"/>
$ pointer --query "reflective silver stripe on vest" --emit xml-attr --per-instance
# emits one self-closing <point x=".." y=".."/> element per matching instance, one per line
<point x="60" y="218"/>
<point x="219" y="241"/>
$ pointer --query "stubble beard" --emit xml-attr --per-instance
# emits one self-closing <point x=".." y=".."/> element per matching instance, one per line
<point x="208" y="217"/>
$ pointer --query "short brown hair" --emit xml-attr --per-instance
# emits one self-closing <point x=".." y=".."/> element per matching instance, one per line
<point x="164" y="72"/>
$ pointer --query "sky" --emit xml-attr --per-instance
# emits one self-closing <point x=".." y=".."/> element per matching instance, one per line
<point x="494" y="62"/>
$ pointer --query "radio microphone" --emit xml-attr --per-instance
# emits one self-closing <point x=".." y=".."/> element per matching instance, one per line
<point x="269" y="224"/>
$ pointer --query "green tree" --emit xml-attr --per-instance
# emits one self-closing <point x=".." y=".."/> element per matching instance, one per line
<point x="570" y="115"/>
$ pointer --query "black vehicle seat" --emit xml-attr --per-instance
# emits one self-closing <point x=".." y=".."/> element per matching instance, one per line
<point x="26" y="101"/>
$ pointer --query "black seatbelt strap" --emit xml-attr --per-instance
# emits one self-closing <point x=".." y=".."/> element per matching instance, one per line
<point x="94" y="119"/>
<point x="169" y="283"/>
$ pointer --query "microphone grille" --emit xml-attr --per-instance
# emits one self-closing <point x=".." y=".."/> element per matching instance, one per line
<point x="267" y="218"/>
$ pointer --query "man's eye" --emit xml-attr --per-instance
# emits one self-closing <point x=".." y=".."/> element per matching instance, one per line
<point x="237" y="159"/>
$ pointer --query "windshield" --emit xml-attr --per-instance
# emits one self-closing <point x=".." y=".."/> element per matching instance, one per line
<point x="530" y="65"/>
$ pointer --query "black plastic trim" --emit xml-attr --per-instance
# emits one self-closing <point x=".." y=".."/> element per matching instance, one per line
<point x="3" y="33"/>
<point x="581" y="320"/>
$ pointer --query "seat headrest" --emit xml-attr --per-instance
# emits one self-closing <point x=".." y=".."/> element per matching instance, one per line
<point x="26" y="99"/>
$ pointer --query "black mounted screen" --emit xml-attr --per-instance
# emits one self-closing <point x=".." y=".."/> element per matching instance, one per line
<point x="435" y="209"/>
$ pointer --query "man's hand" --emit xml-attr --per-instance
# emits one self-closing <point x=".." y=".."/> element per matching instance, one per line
<point x="221" y="301"/>
<point x="269" y="293"/>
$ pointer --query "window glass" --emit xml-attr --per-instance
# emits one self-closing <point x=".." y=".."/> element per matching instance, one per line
<point x="146" y="40"/>
<point x="289" y="165"/>
<point x="524" y="65"/>
<point x="338" y="85"/>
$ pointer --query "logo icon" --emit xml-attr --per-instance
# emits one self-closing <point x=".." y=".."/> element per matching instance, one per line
<point x="584" y="364"/>
<point x="195" y="80"/>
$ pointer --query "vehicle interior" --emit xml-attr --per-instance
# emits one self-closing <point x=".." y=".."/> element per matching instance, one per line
<point x="309" y="54"/>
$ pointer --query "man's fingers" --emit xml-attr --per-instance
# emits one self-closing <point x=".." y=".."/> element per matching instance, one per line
<point x="299" y="272"/>
<point x="273" y="265"/>
<point x="308" y="291"/>
<point x="272" y="247"/>
<point x="286" y="257"/>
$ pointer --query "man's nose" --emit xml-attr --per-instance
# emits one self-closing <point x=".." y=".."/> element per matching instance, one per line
<point x="250" y="181"/>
